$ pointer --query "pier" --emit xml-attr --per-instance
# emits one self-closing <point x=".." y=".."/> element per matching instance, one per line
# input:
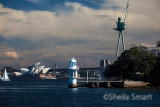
<point x="109" y="79"/>
<point x="110" y="82"/>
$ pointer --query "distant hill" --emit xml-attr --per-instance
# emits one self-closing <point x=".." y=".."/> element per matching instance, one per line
<point x="8" y="69"/>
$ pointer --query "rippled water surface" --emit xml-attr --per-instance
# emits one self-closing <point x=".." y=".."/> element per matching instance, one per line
<point x="55" y="93"/>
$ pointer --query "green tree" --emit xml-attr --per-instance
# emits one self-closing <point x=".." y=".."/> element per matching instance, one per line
<point x="136" y="59"/>
<point x="155" y="73"/>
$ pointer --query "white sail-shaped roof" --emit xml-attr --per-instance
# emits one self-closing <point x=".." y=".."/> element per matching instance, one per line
<point x="40" y="69"/>
<point x="34" y="68"/>
<point x="17" y="73"/>
<point x="45" y="70"/>
<point x="31" y="69"/>
<point x="25" y="71"/>
<point x="36" y="72"/>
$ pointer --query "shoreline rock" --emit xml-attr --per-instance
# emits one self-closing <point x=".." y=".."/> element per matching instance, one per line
<point x="137" y="85"/>
<point x="128" y="84"/>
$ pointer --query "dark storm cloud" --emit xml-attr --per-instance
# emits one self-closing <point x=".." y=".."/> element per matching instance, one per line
<point x="23" y="44"/>
<point x="17" y="43"/>
<point x="52" y="5"/>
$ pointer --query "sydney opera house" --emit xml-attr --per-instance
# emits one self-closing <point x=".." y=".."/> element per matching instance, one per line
<point x="34" y="71"/>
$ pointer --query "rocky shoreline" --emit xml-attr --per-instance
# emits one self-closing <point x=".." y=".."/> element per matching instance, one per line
<point x="125" y="84"/>
<point x="137" y="85"/>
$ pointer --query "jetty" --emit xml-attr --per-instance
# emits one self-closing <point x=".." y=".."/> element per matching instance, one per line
<point x="115" y="82"/>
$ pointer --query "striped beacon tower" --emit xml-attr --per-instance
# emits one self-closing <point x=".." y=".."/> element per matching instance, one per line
<point x="73" y="73"/>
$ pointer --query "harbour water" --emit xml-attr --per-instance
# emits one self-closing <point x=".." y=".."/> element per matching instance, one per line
<point x="55" y="93"/>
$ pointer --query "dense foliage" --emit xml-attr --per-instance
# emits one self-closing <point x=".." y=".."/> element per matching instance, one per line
<point x="136" y="63"/>
<point x="158" y="44"/>
<point x="155" y="73"/>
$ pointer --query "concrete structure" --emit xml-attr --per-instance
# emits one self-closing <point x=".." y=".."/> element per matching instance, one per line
<point x="104" y="65"/>
<point x="73" y="73"/>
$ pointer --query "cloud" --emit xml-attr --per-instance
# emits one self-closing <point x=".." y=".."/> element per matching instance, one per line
<point x="76" y="29"/>
<point x="79" y="23"/>
<point x="11" y="54"/>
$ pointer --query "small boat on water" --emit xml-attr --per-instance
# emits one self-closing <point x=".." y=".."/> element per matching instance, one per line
<point x="5" y="76"/>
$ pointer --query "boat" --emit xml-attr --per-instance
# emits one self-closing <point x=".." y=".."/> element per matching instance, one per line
<point x="5" y="76"/>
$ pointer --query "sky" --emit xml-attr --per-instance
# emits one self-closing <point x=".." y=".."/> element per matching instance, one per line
<point x="52" y="31"/>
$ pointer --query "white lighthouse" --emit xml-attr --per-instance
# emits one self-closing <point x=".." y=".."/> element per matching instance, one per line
<point x="73" y="73"/>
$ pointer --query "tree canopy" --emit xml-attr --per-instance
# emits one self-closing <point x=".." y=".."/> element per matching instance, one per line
<point x="155" y="73"/>
<point x="136" y="60"/>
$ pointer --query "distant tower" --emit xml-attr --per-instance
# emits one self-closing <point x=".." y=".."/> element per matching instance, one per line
<point x="104" y="65"/>
<point x="54" y="69"/>
<point x="120" y="27"/>
<point x="73" y="73"/>
<point x="55" y="66"/>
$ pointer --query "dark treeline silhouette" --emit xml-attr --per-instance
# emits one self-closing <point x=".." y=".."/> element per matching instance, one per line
<point x="137" y="63"/>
